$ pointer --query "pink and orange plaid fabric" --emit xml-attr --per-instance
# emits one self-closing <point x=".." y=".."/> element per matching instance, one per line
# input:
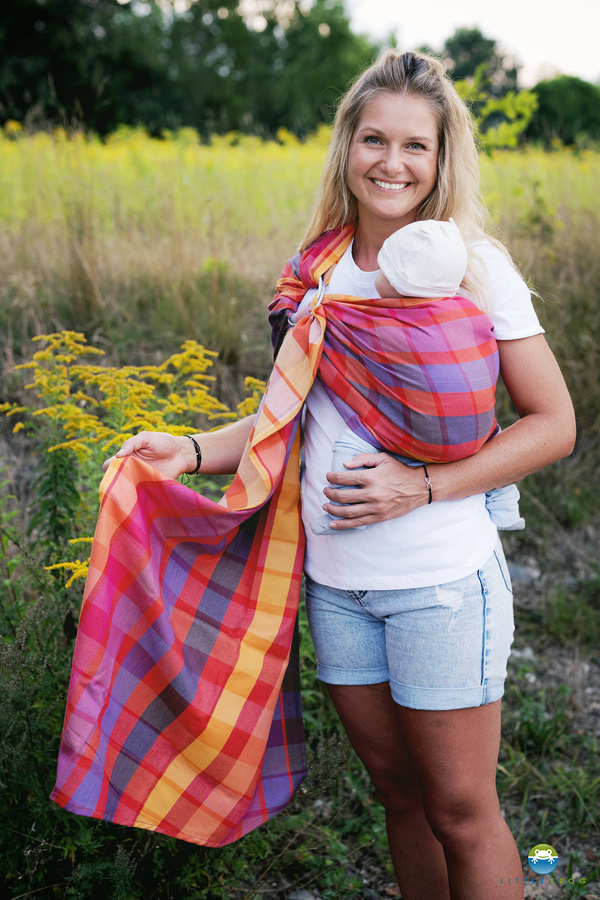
<point x="415" y="376"/>
<point x="183" y="713"/>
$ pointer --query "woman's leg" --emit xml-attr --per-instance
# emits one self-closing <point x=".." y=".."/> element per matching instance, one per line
<point x="434" y="772"/>
<point x="455" y="753"/>
<point x="371" y="721"/>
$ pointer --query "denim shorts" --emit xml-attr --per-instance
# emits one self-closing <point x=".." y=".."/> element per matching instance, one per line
<point x="441" y="647"/>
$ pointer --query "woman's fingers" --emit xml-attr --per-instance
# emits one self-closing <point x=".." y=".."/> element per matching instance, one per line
<point x="130" y="446"/>
<point x="371" y="460"/>
<point x="149" y="444"/>
<point x="159" y="449"/>
<point x="386" y="490"/>
<point x="107" y="463"/>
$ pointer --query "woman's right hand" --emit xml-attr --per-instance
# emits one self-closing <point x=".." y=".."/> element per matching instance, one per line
<point x="169" y="454"/>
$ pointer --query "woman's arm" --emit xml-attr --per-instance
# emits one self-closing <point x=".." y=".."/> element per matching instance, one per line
<point x="221" y="450"/>
<point x="544" y="433"/>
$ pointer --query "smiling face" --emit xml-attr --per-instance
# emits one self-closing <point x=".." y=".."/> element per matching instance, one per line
<point x="392" y="161"/>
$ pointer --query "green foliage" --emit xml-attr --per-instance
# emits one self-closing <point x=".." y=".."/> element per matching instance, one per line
<point x="68" y="60"/>
<point x="570" y="791"/>
<point x="573" y="615"/>
<point x="470" y="54"/>
<point x="205" y="65"/>
<point x="57" y="500"/>
<point x="549" y="770"/>
<point x="538" y="221"/>
<point x="500" y="120"/>
<point x="84" y="405"/>
<point x="34" y="665"/>
<point x="487" y="80"/>
<point x="319" y="52"/>
<point x="568" y="112"/>
<point x="540" y="722"/>
<point x="88" y="411"/>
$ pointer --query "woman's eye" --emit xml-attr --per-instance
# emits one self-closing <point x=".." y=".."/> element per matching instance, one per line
<point x="372" y="139"/>
<point x="416" y="146"/>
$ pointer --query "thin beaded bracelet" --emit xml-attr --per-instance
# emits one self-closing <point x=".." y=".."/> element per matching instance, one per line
<point x="198" y="454"/>
<point x="428" y="483"/>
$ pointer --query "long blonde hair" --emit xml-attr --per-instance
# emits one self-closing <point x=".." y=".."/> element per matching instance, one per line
<point x="456" y="193"/>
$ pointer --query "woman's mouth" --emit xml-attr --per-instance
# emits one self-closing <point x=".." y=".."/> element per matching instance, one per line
<point x="390" y="185"/>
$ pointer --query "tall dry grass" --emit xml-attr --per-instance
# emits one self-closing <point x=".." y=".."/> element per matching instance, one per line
<point x="545" y="210"/>
<point x="142" y="243"/>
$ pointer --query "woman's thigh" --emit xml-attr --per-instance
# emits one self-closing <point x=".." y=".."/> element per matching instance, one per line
<point x="442" y="760"/>
<point x="372" y="723"/>
<point x="455" y="757"/>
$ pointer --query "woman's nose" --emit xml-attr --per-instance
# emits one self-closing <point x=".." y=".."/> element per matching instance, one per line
<point x="393" y="161"/>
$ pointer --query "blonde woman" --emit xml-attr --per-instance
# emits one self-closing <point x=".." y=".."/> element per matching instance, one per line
<point x="412" y="619"/>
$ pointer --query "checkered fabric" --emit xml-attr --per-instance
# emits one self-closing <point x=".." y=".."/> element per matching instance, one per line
<point x="183" y="713"/>
<point x="417" y="377"/>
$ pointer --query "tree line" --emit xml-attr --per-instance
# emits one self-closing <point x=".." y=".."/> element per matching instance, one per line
<point x="221" y="66"/>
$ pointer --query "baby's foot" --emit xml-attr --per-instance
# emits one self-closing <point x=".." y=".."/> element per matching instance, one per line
<point x="321" y="526"/>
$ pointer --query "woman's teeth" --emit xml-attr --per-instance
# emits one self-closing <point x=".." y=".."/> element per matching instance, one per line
<point x="390" y="186"/>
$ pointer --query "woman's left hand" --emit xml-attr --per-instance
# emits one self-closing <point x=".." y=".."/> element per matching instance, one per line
<point x="388" y="489"/>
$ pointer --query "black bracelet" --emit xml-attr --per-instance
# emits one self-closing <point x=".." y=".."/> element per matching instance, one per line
<point x="198" y="455"/>
<point x="428" y="483"/>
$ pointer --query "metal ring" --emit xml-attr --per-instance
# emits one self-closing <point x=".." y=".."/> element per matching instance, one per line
<point x="320" y="294"/>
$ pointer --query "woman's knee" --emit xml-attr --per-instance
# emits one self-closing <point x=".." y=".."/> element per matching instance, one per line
<point x="398" y="792"/>
<point x="462" y="818"/>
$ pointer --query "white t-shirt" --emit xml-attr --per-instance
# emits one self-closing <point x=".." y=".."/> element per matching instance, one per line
<point x="436" y="543"/>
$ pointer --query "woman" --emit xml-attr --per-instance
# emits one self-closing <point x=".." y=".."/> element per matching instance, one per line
<point x="407" y="615"/>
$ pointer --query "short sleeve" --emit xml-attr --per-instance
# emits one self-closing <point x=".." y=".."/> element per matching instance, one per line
<point x="509" y="304"/>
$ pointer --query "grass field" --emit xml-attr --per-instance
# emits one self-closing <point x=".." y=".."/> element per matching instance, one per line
<point x="141" y="244"/>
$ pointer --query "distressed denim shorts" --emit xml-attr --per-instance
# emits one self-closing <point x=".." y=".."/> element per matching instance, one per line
<point x="441" y="647"/>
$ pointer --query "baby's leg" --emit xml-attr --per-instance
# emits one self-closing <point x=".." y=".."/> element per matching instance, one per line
<point x="346" y="447"/>
<point x="503" y="507"/>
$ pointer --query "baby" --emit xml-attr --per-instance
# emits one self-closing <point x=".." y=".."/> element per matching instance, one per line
<point x="427" y="260"/>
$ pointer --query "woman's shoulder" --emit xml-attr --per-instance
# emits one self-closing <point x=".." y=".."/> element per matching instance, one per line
<point x="493" y="254"/>
<point x="509" y="304"/>
<point x="489" y="260"/>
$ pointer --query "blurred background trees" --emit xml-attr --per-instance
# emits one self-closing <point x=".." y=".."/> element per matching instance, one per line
<point x="101" y="63"/>
<point x="253" y="66"/>
<point x="469" y="53"/>
<point x="568" y="110"/>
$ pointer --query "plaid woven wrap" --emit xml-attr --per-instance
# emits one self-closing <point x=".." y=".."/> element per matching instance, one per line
<point x="415" y="376"/>
<point x="183" y="713"/>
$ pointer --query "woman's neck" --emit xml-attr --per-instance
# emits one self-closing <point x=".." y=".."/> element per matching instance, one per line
<point x="365" y="258"/>
<point x="367" y="244"/>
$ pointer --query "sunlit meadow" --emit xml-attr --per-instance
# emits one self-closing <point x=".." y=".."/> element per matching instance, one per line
<point x="146" y="241"/>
